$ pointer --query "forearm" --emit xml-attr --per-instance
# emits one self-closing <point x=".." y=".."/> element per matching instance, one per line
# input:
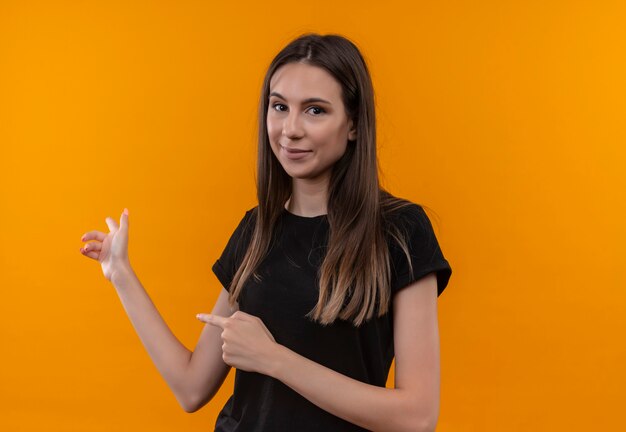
<point x="169" y="355"/>
<point x="371" y="407"/>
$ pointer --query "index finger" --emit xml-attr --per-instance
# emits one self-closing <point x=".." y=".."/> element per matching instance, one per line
<point x="93" y="235"/>
<point x="215" y="320"/>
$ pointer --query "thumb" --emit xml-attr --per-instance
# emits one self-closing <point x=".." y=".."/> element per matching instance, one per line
<point x="124" y="221"/>
<point x="113" y="227"/>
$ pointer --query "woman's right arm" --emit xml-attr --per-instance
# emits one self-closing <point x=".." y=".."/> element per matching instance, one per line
<point x="194" y="377"/>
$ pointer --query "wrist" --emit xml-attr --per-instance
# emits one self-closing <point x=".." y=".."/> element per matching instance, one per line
<point x="122" y="274"/>
<point x="278" y="361"/>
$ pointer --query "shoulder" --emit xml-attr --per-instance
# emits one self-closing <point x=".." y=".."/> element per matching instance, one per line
<point x="252" y="212"/>
<point x="402" y="213"/>
<point x="245" y="227"/>
<point x="406" y="224"/>
<point x="413" y="245"/>
<point x="249" y="216"/>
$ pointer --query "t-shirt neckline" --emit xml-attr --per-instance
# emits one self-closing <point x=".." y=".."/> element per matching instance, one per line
<point x="296" y="217"/>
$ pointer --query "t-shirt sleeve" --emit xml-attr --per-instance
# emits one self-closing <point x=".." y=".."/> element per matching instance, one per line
<point x="425" y="253"/>
<point x="227" y="264"/>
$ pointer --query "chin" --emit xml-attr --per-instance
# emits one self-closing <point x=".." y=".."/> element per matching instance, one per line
<point x="298" y="174"/>
<point x="295" y="172"/>
<point x="302" y="171"/>
<point x="304" y="175"/>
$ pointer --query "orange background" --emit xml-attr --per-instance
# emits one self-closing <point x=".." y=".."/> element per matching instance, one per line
<point x="506" y="118"/>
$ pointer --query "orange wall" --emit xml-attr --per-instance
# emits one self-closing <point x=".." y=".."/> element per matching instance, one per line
<point x="506" y="118"/>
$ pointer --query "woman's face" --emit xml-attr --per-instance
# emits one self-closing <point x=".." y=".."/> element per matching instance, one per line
<point x="307" y="123"/>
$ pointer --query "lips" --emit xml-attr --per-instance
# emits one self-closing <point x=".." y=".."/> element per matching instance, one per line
<point x="294" y="150"/>
<point x="295" y="154"/>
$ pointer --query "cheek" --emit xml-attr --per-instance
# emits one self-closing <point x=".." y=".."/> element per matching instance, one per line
<point x="340" y="149"/>
<point x="339" y="143"/>
<point x="273" y="134"/>
<point x="272" y="128"/>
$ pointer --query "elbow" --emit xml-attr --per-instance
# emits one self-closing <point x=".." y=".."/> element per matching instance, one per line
<point x="190" y="404"/>
<point x="193" y="399"/>
<point x="428" y="424"/>
<point x="420" y="422"/>
<point x="410" y="424"/>
<point x="190" y="408"/>
<point x="425" y="418"/>
<point x="428" y="427"/>
<point x="417" y="425"/>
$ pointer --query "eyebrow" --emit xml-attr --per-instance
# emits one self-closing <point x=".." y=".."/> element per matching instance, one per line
<point x="309" y="100"/>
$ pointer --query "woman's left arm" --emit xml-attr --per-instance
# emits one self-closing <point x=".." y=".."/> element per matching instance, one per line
<point x="413" y="405"/>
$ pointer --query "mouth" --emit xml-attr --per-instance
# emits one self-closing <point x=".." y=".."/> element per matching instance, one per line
<point x="294" y="154"/>
<point x="294" y="150"/>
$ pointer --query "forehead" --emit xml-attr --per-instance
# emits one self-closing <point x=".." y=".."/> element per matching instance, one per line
<point x="300" y="81"/>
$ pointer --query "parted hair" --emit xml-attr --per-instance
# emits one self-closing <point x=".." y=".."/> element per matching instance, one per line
<point x="355" y="275"/>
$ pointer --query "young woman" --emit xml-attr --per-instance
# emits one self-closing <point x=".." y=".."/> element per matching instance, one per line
<point x="324" y="281"/>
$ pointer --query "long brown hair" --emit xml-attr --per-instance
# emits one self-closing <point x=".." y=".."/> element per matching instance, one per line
<point x="355" y="275"/>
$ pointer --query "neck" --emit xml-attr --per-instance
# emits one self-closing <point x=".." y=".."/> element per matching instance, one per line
<point x="309" y="198"/>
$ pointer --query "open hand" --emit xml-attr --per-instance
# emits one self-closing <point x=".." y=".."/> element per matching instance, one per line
<point x="247" y="344"/>
<point x="110" y="250"/>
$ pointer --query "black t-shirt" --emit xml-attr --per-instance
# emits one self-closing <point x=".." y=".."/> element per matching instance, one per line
<point x="287" y="292"/>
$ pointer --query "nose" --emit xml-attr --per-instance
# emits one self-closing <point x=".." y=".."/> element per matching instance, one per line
<point x="292" y="127"/>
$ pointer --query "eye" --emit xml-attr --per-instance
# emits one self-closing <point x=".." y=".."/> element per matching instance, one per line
<point x="277" y="105"/>
<point x="282" y="108"/>
<point x="319" y="110"/>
